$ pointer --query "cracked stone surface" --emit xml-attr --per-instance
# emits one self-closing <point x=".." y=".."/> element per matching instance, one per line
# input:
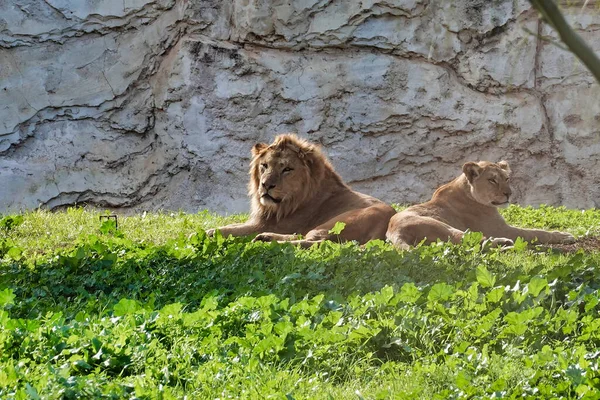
<point x="155" y="104"/>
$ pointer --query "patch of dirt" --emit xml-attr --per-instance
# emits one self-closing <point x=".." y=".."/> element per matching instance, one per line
<point x="589" y="244"/>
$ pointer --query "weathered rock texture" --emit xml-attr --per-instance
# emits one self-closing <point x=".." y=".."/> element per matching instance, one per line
<point x="148" y="104"/>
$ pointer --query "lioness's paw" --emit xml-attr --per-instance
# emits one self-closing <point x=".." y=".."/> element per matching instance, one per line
<point x="502" y="242"/>
<point x="497" y="242"/>
<point x="210" y="232"/>
<point x="265" y="237"/>
<point x="563" y="237"/>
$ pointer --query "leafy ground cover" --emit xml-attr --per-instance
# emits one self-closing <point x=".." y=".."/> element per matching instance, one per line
<point x="155" y="309"/>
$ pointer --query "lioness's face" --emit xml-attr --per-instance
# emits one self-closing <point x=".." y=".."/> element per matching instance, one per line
<point x="281" y="175"/>
<point x="490" y="182"/>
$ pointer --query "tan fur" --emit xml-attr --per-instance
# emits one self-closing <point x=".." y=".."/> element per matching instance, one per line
<point x="468" y="202"/>
<point x="294" y="191"/>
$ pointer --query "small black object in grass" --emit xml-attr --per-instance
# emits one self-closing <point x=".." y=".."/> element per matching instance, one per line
<point x="109" y="217"/>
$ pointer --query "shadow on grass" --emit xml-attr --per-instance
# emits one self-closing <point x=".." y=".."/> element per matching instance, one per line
<point x="101" y="270"/>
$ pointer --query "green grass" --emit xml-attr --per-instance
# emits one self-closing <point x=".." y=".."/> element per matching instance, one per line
<point x="41" y="231"/>
<point x="578" y="222"/>
<point x="156" y="309"/>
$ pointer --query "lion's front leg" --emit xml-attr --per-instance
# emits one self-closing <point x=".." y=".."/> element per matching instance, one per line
<point x="542" y="237"/>
<point x="360" y="225"/>
<point x="274" y="237"/>
<point x="243" y="229"/>
<point x="305" y="244"/>
<point x="409" y="229"/>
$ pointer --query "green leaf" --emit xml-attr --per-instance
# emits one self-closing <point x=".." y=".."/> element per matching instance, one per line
<point x="463" y="380"/>
<point x="10" y="222"/>
<point x="15" y="253"/>
<point x="517" y="322"/>
<point x="32" y="392"/>
<point x="591" y="301"/>
<point x="575" y="374"/>
<point x="171" y="310"/>
<point x="81" y="364"/>
<point x="536" y="285"/>
<point x="409" y="293"/>
<point x="375" y="244"/>
<point x="520" y="245"/>
<point x="7" y="298"/>
<point x="484" y="277"/>
<point x="440" y="292"/>
<point x="498" y="385"/>
<point x="472" y="239"/>
<point x="96" y="344"/>
<point x="384" y="296"/>
<point x="495" y="295"/>
<point x="108" y="226"/>
<point x="290" y="277"/>
<point x="126" y="307"/>
<point x="473" y="291"/>
<point x="337" y="228"/>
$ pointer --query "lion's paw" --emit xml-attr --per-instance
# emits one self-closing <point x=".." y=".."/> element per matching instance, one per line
<point x="497" y="242"/>
<point x="210" y="232"/>
<point x="563" y="237"/>
<point x="266" y="237"/>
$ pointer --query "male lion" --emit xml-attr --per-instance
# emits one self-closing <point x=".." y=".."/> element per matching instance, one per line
<point x="468" y="202"/>
<point x="294" y="191"/>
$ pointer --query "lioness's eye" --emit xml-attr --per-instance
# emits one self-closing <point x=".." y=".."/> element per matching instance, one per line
<point x="264" y="165"/>
<point x="287" y="169"/>
<point x="492" y="181"/>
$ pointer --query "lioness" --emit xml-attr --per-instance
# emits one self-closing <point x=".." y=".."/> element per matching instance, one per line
<point x="295" y="191"/>
<point x="468" y="202"/>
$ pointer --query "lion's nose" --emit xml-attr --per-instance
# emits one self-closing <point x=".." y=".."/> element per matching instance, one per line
<point x="268" y="185"/>
<point x="508" y="193"/>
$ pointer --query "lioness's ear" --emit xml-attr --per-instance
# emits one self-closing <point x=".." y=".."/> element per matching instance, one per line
<point x="504" y="165"/>
<point x="471" y="171"/>
<point x="258" y="147"/>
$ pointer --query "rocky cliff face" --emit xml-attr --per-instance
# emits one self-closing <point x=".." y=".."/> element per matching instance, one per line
<point x="148" y="104"/>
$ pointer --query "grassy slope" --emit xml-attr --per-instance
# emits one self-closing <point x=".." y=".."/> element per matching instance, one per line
<point x="43" y="231"/>
<point x="159" y="310"/>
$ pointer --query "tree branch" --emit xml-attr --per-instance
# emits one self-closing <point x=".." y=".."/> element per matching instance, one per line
<point x="574" y="42"/>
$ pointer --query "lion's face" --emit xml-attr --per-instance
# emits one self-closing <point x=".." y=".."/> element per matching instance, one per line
<point x="489" y="182"/>
<point x="281" y="175"/>
<point x="284" y="173"/>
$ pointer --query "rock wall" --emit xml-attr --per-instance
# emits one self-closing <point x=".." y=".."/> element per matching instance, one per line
<point x="155" y="104"/>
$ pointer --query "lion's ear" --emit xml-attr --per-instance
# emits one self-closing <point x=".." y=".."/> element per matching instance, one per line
<point x="309" y="152"/>
<point x="471" y="170"/>
<point x="258" y="147"/>
<point x="305" y="151"/>
<point x="286" y="141"/>
<point x="504" y="165"/>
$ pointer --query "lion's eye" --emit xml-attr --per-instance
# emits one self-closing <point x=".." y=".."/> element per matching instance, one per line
<point x="287" y="169"/>
<point x="264" y="165"/>
<point x="492" y="181"/>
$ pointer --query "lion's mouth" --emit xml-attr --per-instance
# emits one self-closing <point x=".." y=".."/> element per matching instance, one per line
<point x="498" y="203"/>
<point x="270" y="198"/>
